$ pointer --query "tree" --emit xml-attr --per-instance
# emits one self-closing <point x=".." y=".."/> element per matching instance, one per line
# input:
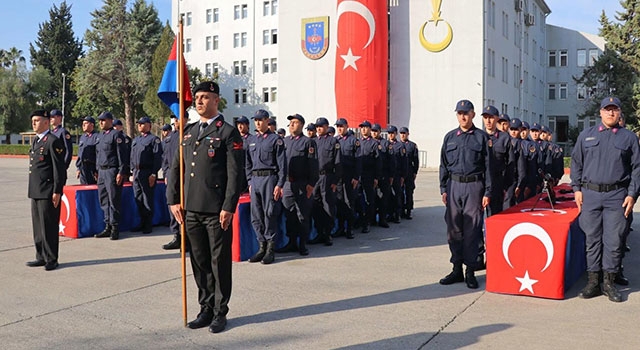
<point x="11" y="58"/>
<point x="196" y="77"/>
<point x="117" y="66"/>
<point x="153" y="106"/>
<point x="14" y="93"/>
<point x="57" y="50"/>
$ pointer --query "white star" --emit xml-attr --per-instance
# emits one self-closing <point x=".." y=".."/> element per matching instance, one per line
<point x="526" y="282"/>
<point x="350" y="60"/>
<point x="61" y="227"/>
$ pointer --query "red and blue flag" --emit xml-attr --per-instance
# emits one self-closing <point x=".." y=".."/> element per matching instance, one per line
<point x="168" y="89"/>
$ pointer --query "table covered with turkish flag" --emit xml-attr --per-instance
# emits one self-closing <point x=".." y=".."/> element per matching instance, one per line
<point x="539" y="252"/>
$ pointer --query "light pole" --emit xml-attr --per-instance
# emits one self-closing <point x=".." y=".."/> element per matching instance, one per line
<point x="63" y="88"/>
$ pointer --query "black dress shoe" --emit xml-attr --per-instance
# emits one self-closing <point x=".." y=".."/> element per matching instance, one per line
<point x="137" y="229"/>
<point x="289" y="248"/>
<point x="349" y="235"/>
<point x="470" y="280"/>
<point x="105" y="233"/>
<point x="204" y="319"/>
<point x="174" y="244"/>
<point x="365" y="229"/>
<point x="383" y="224"/>
<point x="51" y="265"/>
<point x="304" y="251"/>
<point x="36" y="263"/>
<point x="218" y="324"/>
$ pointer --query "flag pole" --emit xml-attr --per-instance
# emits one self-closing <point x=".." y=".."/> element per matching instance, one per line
<point x="181" y="123"/>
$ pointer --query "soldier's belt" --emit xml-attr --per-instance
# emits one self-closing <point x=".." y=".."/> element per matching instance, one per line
<point x="325" y="172"/>
<point x="604" y="187"/>
<point x="107" y="167"/>
<point x="466" y="178"/>
<point x="267" y="172"/>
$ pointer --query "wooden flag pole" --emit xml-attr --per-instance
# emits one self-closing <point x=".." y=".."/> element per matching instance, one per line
<point x="181" y="124"/>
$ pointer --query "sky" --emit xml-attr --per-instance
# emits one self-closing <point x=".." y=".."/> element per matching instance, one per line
<point x="21" y="19"/>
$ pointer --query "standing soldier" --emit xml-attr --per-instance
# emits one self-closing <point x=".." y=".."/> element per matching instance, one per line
<point x="170" y="145"/>
<point x="242" y="124"/>
<point x="211" y="156"/>
<point x="516" y="168"/>
<point x="371" y="172"/>
<point x="605" y="168"/>
<point x="348" y="183"/>
<point x="47" y="176"/>
<point x="62" y="134"/>
<point x="266" y="170"/>
<point x="117" y="124"/>
<point x="302" y="175"/>
<point x="413" y="164"/>
<point x="531" y="156"/>
<point x="112" y="160"/>
<point x="465" y="184"/>
<point x="399" y="173"/>
<point x="386" y="177"/>
<point x="500" y="147"/>
<point x="86" y="162"/>
<point x="324" y="193"/>
<point x="146" y="159"/>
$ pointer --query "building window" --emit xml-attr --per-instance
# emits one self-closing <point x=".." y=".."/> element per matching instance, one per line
<point x="534" y="48"/>
<point x="209" y="16"/>
<point x="582" y="92"/>
<point x="236" y="40"/>
<point x="236" y="12"/>
<point x="505" y="25"/>
<point x="265" y="65"/>
<point x="505" y="70"/>
<point x="266" y="8"/>
<point x="526" y="43"/>
<point x="189" y="19"/>
<point x="274" y="93"/>
<point x="552" y="91"/>
<point x="582" y="58"/>
<point x="236" y="67"/>
<point x="187" y="46"/>
<point x="215" y="69"/>
<point x="243" y="39"/>
<point x="274" y="65"/>
<point x="525" y="82"/>
<point x="244" y="10"/>
<point x="207" y="70"/>
<point x="552" y="58"/>
<point x="274" y="36"/>
<point x="266" y="37"/>
<point x="593" y="56"/>
<point x="207" y="43"/>
<point x="563" y="91"/>
<point x="491" y="63"/>
<point x="236" y="95"/>
<point x="244" y="95"/>
<point x="564" y="58"/>
<point x="533" y="85"/>
<point x="243" y="67"/>
<point x="265" y="94"/>
<point x="216" y="15"/>
<point x="215" y="42"/>
<point x="274" y="7"/>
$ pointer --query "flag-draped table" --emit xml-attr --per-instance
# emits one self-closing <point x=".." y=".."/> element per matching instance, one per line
<point x="537" y="253"/>
<point x="81" y="215"/>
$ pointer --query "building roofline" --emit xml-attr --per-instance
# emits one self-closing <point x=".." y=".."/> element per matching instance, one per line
<point x="544" y="7"/>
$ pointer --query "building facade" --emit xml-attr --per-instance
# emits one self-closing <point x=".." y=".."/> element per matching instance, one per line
<point x="488" y="51"/>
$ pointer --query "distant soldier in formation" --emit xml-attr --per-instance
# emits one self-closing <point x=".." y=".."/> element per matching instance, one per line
<point x="86" y="162"/>
<point x="383" y="200"/>
<point x="170" y="145"/>
<point x="146" y="160"/>
<point x="516" y="168"/>
<point x="346" y="194"/>
<point x="62" y="134"/>
<point x="372" y="162"/>
<point x="311" y="131"/>
<point x="413" y="164"/>
<point x="399" y="152"/>
<point x="242" y="124"/>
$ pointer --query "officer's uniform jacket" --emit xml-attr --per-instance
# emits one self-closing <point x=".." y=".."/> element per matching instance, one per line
<point x="47" y="171"/>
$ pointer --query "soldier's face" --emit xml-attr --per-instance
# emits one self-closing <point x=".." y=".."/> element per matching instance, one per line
<point x="311" y="133"/>
<point x="322" y="129"/>
<point x="392" y="136"/>
<point x="295" y="127"/>
<point x="404" y="136"/>
<point x="610" y="116"/>
<point x="524" y="133"/>
<point x="365" y="131"/>
<point x="489" y="121"/>
<point x="55" y="121"/>
<point x="243" y="128"/>
<point x="535" y="134"/>
<point x="375" y="134"/>
<point x="106" y="123"/>
<point x="272" y="128"/>
<point x="342" y="129"/>
<point x="207" y="104"/>
<point x="144" y="127"/>
<point x="165" y="133"/>
<point x="87" y="126"/>
<point x="465" y="119"/>
<point x="515" y="133"/>
<point x="39" y="124"/>
<point x="261" y="124"/>
<point x="503" y="125"/>
<point x="544" y="136"/>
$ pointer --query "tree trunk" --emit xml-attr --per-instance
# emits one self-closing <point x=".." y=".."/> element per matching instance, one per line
<point x="8" y="139"/>
<point x="128" y="115"/>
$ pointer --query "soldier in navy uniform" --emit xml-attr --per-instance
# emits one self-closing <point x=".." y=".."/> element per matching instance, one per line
<point x="371" y="173"/>
<point x="117" y="124"/>
<point x="212" y="158"/>
<point x="302" y="175"/>
<point x="503" y="122"/>
<point x="386" y="176"/>
<point x="413" y="164"/>
<point x="86" y="162"/>
<point x="146" y="159"/>
<point x="605" y="173"/>
<point x="170" y="145"/>
<point x="324" y="192"/>
<point x="500" y="146"/>
<point x="516" y="168"/>
<point x="272" y="125"/>
<point x="346" y="193"/>
<point x="62" y="134"/>
<point x="556" y="166"/>
<point x="281" y="132"/>
<point x="532" y="158"/>
<point x="112" y="160"/>
<point x="465" y="184"/>
<point x="266" y="170"/>
<point x="47" y="176"/>
<point x="544" y="155"/>
<point x="242" y="124"/>
<point x="399" y="173"/>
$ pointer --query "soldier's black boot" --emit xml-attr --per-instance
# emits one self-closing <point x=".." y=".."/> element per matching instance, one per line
<point x="105" y="233"/>
<point x="592" y="289"/>
<point x="269" y="255"/>
<point x="328" y="240"/>
<point x="470" y="279"/>
<point x="454" y="277"/>
<point x="609" y="288"/>
<point x="317" y="239"/>
<point x="348" y="233"/>
<point x="620" y="279"/>
<point x="409" y="217"/>
<point x="302" y="248"/>
<point x="260" y="254"/>
<point x="115" y="233"/>
<point x="291" y="246"/>
<point x="174" y="244"/>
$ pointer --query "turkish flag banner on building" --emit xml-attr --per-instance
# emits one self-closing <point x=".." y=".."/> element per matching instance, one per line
<point x="533" y="253"/>
<point x="362" y="61"/>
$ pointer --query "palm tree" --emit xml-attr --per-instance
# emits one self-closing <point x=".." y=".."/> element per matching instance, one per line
<point x="11" y="57"/>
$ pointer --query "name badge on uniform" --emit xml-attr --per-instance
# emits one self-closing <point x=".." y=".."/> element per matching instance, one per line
<point x="211" y="152"/>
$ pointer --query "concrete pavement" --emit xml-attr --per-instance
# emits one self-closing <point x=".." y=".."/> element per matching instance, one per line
<point x="378" y="291"/>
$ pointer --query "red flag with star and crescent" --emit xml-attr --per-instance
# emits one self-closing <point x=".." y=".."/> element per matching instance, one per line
<point x="362" y="61"/>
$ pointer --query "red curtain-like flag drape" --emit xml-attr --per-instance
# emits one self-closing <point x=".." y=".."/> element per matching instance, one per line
<point x="362" y="61"/>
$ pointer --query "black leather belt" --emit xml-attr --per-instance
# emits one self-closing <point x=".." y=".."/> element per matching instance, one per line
<point x="605" y="187"/>
<point x="107" y="167"/>
<point x="267" y="172"/>
<point x="466" y="178"/>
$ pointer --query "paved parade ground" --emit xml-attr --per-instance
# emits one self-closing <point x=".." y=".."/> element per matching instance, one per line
<point x="378" y="291"/>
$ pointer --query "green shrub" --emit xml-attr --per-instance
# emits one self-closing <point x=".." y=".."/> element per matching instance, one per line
<point x="24" y="149"/>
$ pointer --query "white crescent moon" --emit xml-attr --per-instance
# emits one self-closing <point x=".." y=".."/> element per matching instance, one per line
<point x="65" y="201"/>
<point x="528" y="229"/>
<point x="359" y="8"/>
